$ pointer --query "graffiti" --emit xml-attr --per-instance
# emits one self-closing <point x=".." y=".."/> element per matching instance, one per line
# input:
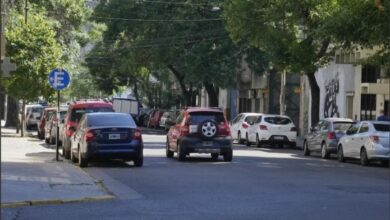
<point x="331" y="92"/>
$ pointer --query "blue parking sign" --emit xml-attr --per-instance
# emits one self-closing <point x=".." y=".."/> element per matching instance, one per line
<point x="59" y="79"/>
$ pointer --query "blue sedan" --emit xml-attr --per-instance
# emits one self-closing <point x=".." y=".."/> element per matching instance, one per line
<point x="107" y="135"/>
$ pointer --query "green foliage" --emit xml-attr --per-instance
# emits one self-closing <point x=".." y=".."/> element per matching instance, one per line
<point x="185" y="35"/>
<point x="33" y="48"/>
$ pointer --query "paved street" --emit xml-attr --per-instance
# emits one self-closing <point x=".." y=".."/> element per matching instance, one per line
<point x="259" y="184"/>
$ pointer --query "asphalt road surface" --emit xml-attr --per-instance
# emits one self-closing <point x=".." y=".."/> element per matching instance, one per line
<point x="260" y="183"/>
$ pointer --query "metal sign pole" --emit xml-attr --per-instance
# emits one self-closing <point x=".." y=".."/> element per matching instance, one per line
<point x="58" y="123"/>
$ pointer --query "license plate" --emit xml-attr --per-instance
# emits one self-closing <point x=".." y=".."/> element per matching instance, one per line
<point x="207" y="143"/>
<point x="114" y="136"/>
<point x="193" y="129"/>
<point x="278" y="137"/>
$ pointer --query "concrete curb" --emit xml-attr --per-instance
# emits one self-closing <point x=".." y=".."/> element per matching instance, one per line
<point x="56" y="201"/>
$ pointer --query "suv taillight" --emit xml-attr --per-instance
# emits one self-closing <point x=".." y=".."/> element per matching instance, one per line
<point x="224" y="129"/>
<point x="331" y="135"/>
<point x="70" y="130"/>
<point x="89" y="136"/>
<point x="137" y="135"/>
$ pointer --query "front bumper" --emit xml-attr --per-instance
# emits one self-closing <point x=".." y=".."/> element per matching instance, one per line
<point x="198" y="145"/>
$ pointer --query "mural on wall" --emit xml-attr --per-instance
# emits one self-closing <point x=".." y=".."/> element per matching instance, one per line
<point x="331" y="91"/>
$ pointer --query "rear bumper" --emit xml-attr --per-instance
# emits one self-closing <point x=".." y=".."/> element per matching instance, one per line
<point x="199" y="145"/>
<point x="378" y="152"/>
<point x="332" y="146"/>
<point x="126" y="151"/>
<point x="279" y="139"/>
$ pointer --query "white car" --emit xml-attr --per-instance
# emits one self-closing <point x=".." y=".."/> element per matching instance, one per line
<point x="240" y="124"/>
<point x="272" y="129"/>
<point x="366" y="141"/>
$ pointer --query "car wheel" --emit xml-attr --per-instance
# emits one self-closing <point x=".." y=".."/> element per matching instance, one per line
<point x="306" y="150"/>
<point x="385" y="163"/>
<point x="214" y="156"/>
<point x="83" y="162"/>
<point x="240" y="141"/>
<point x="181" y="154"/>
<point x="293" y="145"/>
<point x="228" y="156"/>
<point x="168" y="152"/>
<point x="47" y="141"/>
<point x="65" y="152"/>
<point x="139" y="161"/>
<point x="258" y="143"/>
<point x="247" y="140"/>
<point x="340" y="154"/>
<point x="363" y="157"/>
<point x="40" y="135"/>
<point x="52" y="140"/>
<point x="324" y="151"/>
<point x="72" y="157"/>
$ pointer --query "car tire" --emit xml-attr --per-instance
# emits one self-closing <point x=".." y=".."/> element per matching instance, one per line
<point x="83" y="162"/>
<point x="73" y="159"/>
<point x="168" y="152"/>
<point x="139" y="161"/>
<point x="181" y="154"/>
<point x="206" y="128"/>
<point x="306" y="150"/>
<point x="52" y="140"/>
<point x="363" y="157"/>
<point x="66" y="153"/>
<point x="40" y="135"/>
<point x="340" y="154"/>
<point x="293" y="145"/>
<point x="258" y="143"/>
<point x="324" y="151"/>
<point x="385" y="163"/>
<point x="240" y="141"/>
<point x="228" y="155"/>
<point x="247" y="142"/>
<point x="214" y="156"/>
<point x="47" y="141"/>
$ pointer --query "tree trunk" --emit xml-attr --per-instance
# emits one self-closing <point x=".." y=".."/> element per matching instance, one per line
<point x="212" y="93"/>
<point x="23" y="122"/>
<point x="315" y="98"/>
<point x="2" y="103"/>
<point x="180" y="78"/>
<point x="136" y="94"/>
<point x="12" y="113"/>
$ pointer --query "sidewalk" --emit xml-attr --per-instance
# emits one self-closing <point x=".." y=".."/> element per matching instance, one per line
<point x="30" y="175"/>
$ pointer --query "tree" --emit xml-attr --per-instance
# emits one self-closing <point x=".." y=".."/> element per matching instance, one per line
<point x="186" y="38"/>
<point x="291" y="33"/>
<point x="33" y="48"/>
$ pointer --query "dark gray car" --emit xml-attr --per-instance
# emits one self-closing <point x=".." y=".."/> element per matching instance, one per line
<point x="325" y="135"/>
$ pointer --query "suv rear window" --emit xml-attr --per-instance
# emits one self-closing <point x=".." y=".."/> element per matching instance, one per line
<point x="76" y="114"/>
<point x="199" y="117"/>
<point x="277" y="120"/>
<point x="382" y="127"/>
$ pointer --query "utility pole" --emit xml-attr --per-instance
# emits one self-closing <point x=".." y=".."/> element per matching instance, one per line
<point x="283" y="93"/>
<point x="24" y="100"/>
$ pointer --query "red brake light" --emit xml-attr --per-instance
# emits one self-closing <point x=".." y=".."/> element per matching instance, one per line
<point x="263" y="127"/>
<point x="293" y="129"/>
<point x="374" y="138"/>
<point x="89" y="136"/>
<point x="331" y="135"/>
<point x="245" y="125"/>
<point x="224" y="129"/>
<point x="137" y="135"/>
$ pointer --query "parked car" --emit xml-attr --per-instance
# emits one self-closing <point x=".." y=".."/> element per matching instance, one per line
<point x="325" y="135"/>
<point x="241" y="124"/>
<point x="33" y="115"/>
<point x="146" y="116"/>
<point x="168" y="118"/>
<point x="47" y="112"/>
<point x="75" y="111"/>
<point x="271" y="129"/>
<point x="51" y="128"/>
<point x="200" y="130"/>
<point x="154" y="119"/>
<point x="366" y="141"/>
<point x="107" y="135"/>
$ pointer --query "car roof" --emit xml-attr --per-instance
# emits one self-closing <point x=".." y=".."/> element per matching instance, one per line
<point x="203" y="109"/>
<point x="338" y="119"/>
<point x="81" y="104"/>
<point x="106" y="113"/>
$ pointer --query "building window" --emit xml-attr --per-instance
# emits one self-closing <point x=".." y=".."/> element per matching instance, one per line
<point x="368" y="107"/>
<point x="370" y="74"/>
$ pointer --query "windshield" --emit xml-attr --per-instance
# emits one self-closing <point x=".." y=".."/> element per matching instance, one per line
<point x="341" y="126"/>
<point x="78" y="113"/>
<point x="382" y="127"/>
<point x="199" y="117"/>
<point x="278" y="120"/>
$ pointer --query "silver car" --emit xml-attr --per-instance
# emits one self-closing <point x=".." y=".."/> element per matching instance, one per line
<point x="367" y="141"/>
<point x="325" y="135"/>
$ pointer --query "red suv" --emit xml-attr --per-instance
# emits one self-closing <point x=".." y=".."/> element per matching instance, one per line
<point x="75" y="111"/>
<point x="200" y="130"/>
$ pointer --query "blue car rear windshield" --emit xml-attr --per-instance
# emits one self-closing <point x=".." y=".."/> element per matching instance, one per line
<point x="110" y="120"/>
<point x="382" y="127"/>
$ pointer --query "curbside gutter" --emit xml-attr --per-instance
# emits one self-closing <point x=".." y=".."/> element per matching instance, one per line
<point x="56" y="201"/>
